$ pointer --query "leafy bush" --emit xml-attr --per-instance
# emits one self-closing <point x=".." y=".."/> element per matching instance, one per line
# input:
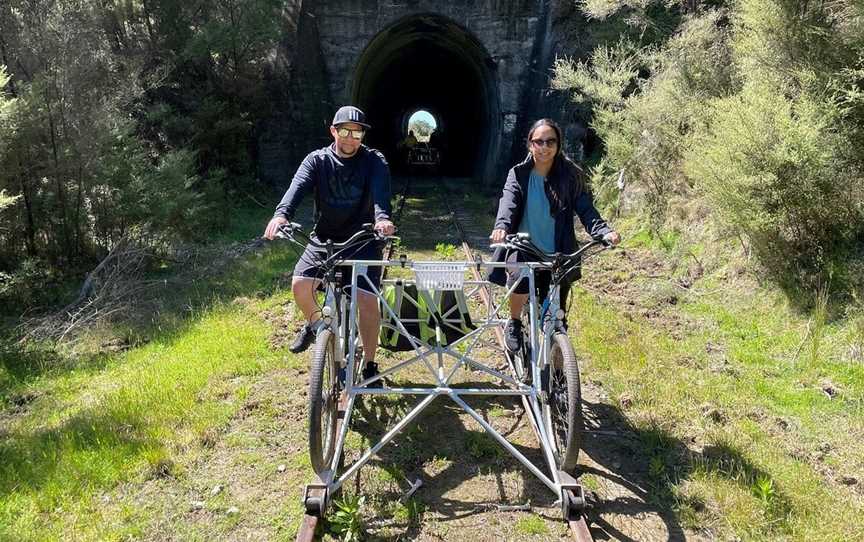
<point x="756" y="108"/>
<point x="347" y="521"/>
<point x="783" y="172"/>
<point x="646" y="121"/>
<point x="128" y="119"/>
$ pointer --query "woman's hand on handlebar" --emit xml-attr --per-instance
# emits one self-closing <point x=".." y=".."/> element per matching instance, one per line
<point x="498" y="235"/>
<point x="273" y="227"/>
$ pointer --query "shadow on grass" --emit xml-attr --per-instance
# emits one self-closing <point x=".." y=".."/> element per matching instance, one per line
<point x="650" y="463"/>
<point x="63" y="455"/>
<point x="21" y="366"/>
<point x="439" y="436"/>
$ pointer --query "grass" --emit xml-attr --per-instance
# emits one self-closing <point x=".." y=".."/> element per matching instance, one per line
<point x="90" y="423"/>
<point x="79" y="429"/>
<point x="445" y="251"/>
<point x="532" y="525"/>
<point x="409" y="512"/>
<point x="482" y="447"/>
<point x="126" y="423"/>
<point x="754" y="472"/>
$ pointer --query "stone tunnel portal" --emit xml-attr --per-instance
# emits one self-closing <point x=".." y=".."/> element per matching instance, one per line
<point x="430" y="62"/>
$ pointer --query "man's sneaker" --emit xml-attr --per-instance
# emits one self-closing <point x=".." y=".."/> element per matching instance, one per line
<point x="370" y="371"/>
<point x="513" y="335"/>
<point x="305" y="337"/>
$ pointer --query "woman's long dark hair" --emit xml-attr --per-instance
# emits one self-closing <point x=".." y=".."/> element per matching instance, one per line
<point x="563" y="185"/>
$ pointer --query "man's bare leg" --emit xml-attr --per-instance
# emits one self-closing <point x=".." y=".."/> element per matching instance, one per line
<point x="370" y="319"/>
<point x="304" y="296"/>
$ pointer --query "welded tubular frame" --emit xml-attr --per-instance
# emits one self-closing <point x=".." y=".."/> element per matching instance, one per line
<point x="432" y="356"/>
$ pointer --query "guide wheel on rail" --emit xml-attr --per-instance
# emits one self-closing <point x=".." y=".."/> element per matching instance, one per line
<point x="572" y="503"/>
<point x="315" y="500"/>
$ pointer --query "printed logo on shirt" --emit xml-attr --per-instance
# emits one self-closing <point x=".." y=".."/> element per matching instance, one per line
<point x="344" y="190"/>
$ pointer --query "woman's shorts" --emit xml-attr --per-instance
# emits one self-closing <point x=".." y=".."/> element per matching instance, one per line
<point x="542" y="278"/>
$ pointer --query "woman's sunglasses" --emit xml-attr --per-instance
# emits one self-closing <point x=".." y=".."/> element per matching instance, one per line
<point x="551" y="142"/>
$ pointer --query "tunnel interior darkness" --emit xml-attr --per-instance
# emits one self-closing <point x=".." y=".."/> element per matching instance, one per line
<point x="429" y="62"/>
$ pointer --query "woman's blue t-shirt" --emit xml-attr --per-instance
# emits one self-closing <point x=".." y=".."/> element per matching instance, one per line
<point x="537" y="219"/>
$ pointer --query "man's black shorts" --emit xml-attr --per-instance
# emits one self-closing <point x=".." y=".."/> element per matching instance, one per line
<point x="309" y="264"/>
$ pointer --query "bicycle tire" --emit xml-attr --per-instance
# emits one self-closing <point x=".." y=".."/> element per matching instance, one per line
<point x="564" y="402"/>
<point x="323" y="401"/>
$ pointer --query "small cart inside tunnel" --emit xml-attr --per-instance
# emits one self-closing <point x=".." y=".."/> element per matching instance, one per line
<point x="423" y="158"/>
<point x="544" y="375"/>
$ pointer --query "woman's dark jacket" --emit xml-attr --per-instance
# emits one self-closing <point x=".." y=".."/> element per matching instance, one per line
<point x="512" y="205"/>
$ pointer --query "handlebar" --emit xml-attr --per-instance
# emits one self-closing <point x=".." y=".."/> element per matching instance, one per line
<point x="522" y="241"/>
<point x="367" y="233"/>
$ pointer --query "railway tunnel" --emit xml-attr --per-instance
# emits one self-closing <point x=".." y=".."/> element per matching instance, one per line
<point x="429" y="62"/>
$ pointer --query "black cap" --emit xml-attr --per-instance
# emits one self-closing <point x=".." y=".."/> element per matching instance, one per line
<point x="349" y="113"/>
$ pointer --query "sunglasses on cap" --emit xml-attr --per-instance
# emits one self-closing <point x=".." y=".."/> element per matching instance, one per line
<point x="356" y="134"/>
<point x="551" y="142"/>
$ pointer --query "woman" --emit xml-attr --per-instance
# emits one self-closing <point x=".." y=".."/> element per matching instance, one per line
<point x="540" y="196"/>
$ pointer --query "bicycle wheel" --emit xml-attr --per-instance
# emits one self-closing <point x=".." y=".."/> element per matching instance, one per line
<point x="323" y="401"/>
<point x="564" y="402"/>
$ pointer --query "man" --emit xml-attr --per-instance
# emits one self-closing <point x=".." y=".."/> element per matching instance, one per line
<point x="351" y="185"/>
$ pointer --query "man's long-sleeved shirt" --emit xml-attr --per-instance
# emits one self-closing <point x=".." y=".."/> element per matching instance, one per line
<point x="349" y="192"/>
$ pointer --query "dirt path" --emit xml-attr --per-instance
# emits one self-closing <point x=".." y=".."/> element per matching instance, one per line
<point x="246" y="484"/>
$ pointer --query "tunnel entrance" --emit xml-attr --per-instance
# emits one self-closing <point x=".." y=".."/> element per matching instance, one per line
<point x="421" y="123"/>
<point x="428" y="62"/>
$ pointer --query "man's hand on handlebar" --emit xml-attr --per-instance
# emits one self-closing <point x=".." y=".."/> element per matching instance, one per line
<point x="273" y="227"/>
<point x="385" y="227"/>
<point x="612" y="238"/>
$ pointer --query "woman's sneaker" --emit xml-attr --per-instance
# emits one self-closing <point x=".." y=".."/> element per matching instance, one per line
<point x="370" y="370"/>
<point x="305" y="337"/>
<point x="513" y="335"/>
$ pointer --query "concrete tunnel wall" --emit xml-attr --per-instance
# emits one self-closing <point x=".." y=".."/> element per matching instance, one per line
<point x="481" y="68"/>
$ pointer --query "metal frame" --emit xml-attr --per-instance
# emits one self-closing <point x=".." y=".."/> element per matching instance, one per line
<point x="432" y="356"/>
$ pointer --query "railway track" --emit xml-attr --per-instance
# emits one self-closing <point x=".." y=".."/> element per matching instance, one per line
<point x="578" y="526"/>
